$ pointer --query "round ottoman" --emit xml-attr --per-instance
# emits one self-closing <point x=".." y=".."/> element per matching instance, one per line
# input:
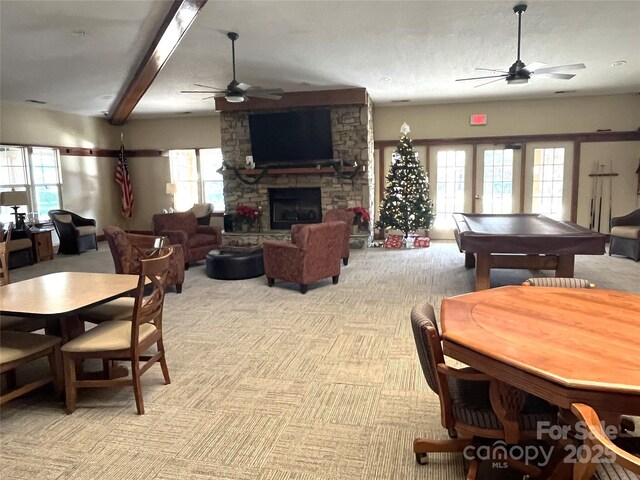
<point x="234" y="265"/>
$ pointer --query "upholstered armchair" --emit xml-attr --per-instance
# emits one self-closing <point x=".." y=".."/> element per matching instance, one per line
<point x="335" y="215"/>
<point x="314" y="254"/>
<point x="625" y="235"/>
<point x="77" y="234"/>
<point x="182" y="229"/>
<point x="127" y="249"/>
<point x="203" y="212"/>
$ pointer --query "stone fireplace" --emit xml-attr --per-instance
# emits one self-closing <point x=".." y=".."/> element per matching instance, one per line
<point x="352" y="139"/>
<point x="288" y="206"/>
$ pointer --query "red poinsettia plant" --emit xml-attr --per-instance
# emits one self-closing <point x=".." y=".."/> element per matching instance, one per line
<point x="247" y="212"/>
<point x="361" y="215"/>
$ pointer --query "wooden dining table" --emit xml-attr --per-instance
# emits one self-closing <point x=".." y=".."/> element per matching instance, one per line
<point x="60" y="297"/>
<point x="564" y="345"/>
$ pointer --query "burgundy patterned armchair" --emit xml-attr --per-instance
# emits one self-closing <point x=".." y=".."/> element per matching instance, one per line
<point x="334" y="215"/>
<point x="128" y="248"/>
<point x="314" y="254"/>
<point x="182" y="229"/>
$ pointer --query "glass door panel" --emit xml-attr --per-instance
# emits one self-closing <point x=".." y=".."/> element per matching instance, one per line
<point x="498" y="180"/>
<point x="450" y="190"/>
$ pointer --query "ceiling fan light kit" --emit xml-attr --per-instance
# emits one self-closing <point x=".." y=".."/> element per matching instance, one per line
<point x="519" y="73"/>
<point x="237" y="92"/>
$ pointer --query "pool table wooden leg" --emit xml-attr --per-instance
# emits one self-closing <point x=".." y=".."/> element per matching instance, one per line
<point x="565" y="266"/>
<point x="483" y="271"/>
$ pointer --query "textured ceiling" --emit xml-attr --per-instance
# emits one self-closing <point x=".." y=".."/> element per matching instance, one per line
<point x="397" y="50"/>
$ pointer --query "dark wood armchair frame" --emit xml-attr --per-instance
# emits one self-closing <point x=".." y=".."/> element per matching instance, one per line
<point x="598" y="438"/>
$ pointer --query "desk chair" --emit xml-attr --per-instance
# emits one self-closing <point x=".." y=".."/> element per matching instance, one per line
<point x="124" y="339"/>
<point x="625" y="466"/>
<point x="466" y="398"/>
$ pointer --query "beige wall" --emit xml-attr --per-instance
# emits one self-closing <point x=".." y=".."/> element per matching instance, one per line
<point x="526" y="117"/>
<point x="172" y="133"/>
<point x="531" y="117"/>
<point x="88" y="184"/>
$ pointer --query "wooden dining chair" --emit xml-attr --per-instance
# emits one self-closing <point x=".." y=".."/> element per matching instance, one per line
<point x="124" y="339"/>
<point x="558" y="282"/>
<point x="604" y="459"/>
<point x="20" y="324"/>
<point x="467" y="398"/>
<point x="19" y="348"/>
<point x="122" y="308"/>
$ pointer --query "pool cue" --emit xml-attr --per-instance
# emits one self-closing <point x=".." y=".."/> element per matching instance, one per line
<point x="593" y="199"/>
<point x="610" y="190"/>
<point x="600" y="200"/>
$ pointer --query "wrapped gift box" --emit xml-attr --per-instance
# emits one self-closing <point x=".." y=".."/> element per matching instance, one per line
<point x="393" y="241"/>
<point x="421" y="242"/>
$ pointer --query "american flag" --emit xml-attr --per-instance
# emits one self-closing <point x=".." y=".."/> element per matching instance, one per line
<point x="122" y="179"/>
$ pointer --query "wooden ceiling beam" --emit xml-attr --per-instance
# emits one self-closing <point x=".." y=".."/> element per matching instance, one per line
<point x="345" y="96"/>
<point x="180" y="17"/>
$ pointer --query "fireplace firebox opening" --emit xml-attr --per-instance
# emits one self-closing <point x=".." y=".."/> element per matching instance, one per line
<point x="288" y="206"/>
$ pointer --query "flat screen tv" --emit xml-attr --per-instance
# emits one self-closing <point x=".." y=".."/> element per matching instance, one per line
<point x="286" y="138"/>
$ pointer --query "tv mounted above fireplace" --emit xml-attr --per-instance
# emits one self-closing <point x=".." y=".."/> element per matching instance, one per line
<point x="286" y="138"/>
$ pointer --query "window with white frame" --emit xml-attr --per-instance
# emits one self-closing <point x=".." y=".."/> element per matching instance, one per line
<point x="548" y="181"/>
<point x="450" y="165"/>
<point x="497" y="185"/>
<point x="36" y="170"/>
<point x="195" y="173"/>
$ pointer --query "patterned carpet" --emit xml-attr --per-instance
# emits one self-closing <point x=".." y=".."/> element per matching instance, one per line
<point x="268" y="384"/>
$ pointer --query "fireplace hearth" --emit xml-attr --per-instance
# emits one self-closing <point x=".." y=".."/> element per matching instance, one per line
<point x="289" y="206"/>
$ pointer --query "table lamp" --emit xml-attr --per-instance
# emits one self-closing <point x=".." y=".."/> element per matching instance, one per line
<point x="172" y="188"/>
<point x="14" y="199"/>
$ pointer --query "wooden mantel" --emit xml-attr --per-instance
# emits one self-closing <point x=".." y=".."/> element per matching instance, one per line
<point x="347" y="96"/>
<point x="293" y="171"/>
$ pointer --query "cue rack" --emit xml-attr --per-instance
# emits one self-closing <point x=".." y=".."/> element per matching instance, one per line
<point x="597" y="193"/>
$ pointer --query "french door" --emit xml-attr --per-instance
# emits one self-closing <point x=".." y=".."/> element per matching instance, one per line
<point x="498" y="179"/>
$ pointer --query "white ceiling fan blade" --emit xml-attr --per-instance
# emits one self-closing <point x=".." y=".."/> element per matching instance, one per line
<point x="559" y="76"/>
<point x="532" y="67"/>
<point x="562" y="68"/>
<point x="242" y="87"/>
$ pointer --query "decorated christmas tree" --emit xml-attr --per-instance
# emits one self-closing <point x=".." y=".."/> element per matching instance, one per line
<point x="406" y="205"/>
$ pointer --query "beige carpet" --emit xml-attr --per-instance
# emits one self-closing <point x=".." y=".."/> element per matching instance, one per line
<point x="267" y="383"/>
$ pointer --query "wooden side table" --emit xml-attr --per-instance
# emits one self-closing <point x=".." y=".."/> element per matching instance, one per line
<point x="42" y="244"/>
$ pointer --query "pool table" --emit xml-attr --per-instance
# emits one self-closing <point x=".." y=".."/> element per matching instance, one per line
<point x="526" y="240"/>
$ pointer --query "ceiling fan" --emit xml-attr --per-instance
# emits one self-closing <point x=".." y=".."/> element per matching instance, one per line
<point x="519" y="73"/>
<point x="237" y="92"/>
